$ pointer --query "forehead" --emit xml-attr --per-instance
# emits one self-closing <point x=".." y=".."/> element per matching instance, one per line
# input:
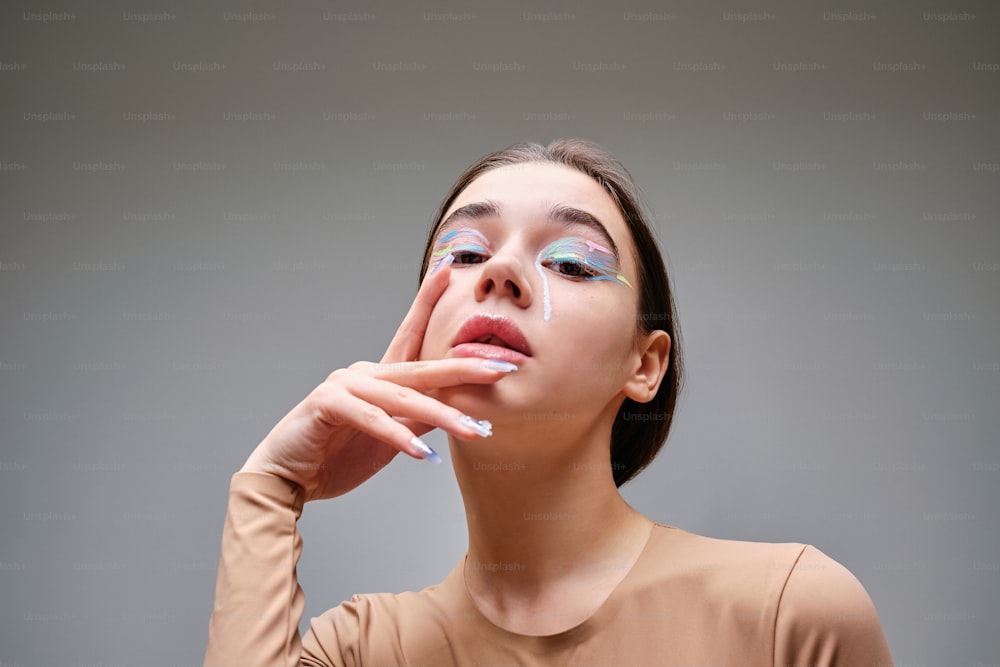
<point x="528" y="191"/>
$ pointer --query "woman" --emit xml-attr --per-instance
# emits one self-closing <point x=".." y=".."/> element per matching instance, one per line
<point x="543" y="341"/>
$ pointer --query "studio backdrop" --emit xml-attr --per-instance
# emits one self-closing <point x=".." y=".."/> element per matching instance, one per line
<point x="206" y="208"/>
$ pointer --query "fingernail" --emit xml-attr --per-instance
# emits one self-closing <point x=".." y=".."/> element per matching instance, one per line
<point x="429" y="454"/>
<point x="495" y="365"/>
<point x="481" y="427"/>
<point x="445" y="261"/>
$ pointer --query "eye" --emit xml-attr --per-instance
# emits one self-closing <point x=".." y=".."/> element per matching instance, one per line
<point x="468" y="257"/>
<point x="571" y="268"/>
<point x="468" y="246"/>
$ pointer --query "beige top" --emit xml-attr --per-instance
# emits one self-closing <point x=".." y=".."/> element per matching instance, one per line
<point x="689" y="600"/>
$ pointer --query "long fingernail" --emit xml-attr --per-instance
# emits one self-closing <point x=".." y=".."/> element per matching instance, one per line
<point x="496" y="365"/>
<point x="429" y="454"/>
<point x="480" y="427"/>
<point x="445" y="261"/>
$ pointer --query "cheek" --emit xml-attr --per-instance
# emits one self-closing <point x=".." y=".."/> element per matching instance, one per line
<point x="597" y="325"/>
<point x="440" y="325"/>
<point x="599" y="304"/>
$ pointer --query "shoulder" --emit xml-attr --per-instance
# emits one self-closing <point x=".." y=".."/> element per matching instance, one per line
<point x="373" y="624"/>
<point x="826" y="617"/>
<point x="731" y="566"/>
<point x="809" y="608"/>
<point x="735" y="581"/>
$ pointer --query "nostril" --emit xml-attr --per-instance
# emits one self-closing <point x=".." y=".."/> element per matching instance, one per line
<point x="515" y="290"/>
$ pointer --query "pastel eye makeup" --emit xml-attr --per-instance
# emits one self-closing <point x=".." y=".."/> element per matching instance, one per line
<point x="465" y="244"/>
<point x="582" y="258"/>
<point x="578" y="259"/>
<point x="572" y="258"/>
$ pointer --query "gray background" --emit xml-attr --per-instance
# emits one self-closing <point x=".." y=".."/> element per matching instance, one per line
<point x="176" y="277"/>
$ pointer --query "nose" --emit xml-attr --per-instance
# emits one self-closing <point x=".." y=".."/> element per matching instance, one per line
<point x="503" y="277"/>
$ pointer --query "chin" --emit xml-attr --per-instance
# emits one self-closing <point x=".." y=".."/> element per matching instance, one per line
<point x="484" y="401"/>
<point x="470" y="394"/>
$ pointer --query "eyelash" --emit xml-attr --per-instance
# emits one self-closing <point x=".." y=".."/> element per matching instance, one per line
<point x="459" y="254"/>
<point x="586" y="271"/>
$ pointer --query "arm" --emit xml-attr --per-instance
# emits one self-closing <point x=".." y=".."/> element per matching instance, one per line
<point x="826" y="618"/>
<point x="342" y="433"/>
<point x="258" y="600"/>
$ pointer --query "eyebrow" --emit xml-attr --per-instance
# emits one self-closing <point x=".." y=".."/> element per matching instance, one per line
<point x="566" y="215"/>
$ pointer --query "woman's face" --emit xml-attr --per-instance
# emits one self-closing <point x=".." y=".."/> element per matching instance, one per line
<point x="559" y="287"/>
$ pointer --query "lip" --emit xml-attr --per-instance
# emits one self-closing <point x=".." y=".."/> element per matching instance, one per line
<point x="488" y="324"/>
<point x="484" y="351"/>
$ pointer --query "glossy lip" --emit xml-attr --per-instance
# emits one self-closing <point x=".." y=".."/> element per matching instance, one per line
<point x="488" y="324"/>
<point x="484" y="351"/>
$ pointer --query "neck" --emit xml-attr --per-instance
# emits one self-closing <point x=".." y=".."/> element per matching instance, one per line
<point x="545" y="515"/>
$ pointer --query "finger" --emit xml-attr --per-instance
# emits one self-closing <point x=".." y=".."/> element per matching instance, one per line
<point x="341" y="407"/>
<point x="438" y="373"/>
<point x="400" y="401"/>
<point x="419" y="428"/>
<point x="405" y="345"/>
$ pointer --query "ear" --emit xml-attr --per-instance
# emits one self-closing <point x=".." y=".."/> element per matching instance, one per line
<point x="654" y="358"/>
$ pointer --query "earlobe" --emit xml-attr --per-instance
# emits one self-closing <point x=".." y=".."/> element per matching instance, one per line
<point x="654" y="359"/>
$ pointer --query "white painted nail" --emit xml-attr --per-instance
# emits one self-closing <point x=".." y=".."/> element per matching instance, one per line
<point x="429" y="454"/>
<point x="497" y="365"/>
<point x="480" y="427"/>
<point x="445" y="261"/>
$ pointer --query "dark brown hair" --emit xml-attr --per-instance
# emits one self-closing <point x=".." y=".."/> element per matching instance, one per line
<point x="640" y="429"/>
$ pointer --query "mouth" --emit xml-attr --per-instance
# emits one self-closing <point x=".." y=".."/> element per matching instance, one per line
<point x="491" y="337"/>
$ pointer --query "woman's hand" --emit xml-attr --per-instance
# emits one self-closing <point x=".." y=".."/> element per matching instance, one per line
<point x="351" y="426"/>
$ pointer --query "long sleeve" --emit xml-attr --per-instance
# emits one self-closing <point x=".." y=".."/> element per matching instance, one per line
<point x="258" y="600"/>
<point x="826" y="618"/>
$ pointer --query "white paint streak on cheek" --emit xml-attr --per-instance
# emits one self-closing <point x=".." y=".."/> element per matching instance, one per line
<point x="546" y="301"/>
